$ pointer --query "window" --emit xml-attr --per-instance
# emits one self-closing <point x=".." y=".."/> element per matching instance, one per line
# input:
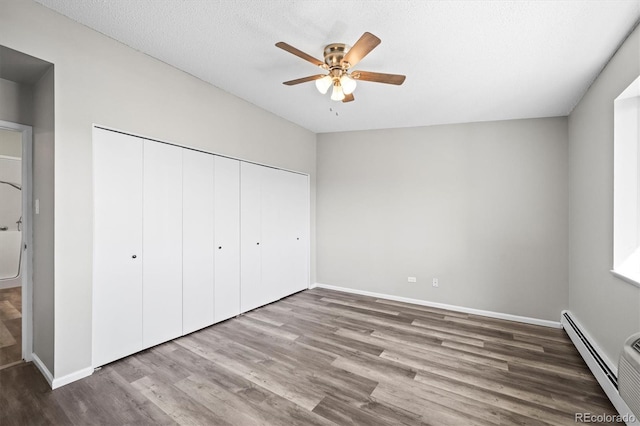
<point x="626" y="185"/>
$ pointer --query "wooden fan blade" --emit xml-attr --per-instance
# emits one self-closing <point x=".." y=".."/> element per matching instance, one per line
<point x="363" y="46"/>
<point x="378" y="77"/>
<point x="303" y="79"/>
<point x="299" y="53"/>
<point x="348" y="98"/>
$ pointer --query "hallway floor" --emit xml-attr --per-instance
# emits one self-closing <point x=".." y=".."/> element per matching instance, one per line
<point x="10" y="326"/>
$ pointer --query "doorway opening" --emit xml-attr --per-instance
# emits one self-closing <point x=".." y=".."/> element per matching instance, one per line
<point x="15" y="227"/>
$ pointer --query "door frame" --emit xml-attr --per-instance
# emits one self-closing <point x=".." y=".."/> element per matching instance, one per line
<point x="27" y="221"/>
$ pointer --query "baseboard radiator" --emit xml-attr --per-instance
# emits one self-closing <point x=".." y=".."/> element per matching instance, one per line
<point x="610" y="375"/>
<point x="600" y="367"/>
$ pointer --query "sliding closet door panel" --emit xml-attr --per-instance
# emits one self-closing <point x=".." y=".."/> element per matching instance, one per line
<point x="117" y="252"/>
<point x="162" y="243"/>
<point x="252" y="293"/>
<point x="197" y="249"/>
<point x="227" y="238"/>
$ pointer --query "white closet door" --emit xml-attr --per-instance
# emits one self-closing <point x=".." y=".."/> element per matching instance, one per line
<point x="162" y="243"/>
<point x="197" y="248"/>
<point x="273" y="221"/>
<point x="297" y="231"/>
<point x="252" y="293"/>
<point x="117" y="246"/>
<point x="227" y="237"/>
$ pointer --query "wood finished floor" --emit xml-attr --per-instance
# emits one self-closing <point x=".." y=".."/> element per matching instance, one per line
<point x="10" y="326"/>
<point x="322" y="357"/>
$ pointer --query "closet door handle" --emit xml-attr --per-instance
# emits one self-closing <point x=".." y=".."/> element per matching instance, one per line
<point x="219" y="247"/>
<point x="257" y="244"/>
<point x="134" y="256"/>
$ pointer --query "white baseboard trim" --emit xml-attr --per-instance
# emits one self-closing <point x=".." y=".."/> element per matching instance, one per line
<point x="71" y="377"/>
<point x="43" y="368"/>
<point x="490" y="314"/>
<point x="606" y="385"/>
<point x="59" y="381"/>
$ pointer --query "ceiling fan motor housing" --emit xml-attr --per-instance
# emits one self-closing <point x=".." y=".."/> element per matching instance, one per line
<point x="333" y="55"/>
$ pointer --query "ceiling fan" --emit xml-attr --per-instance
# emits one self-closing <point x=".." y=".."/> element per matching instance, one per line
<point x="338" y="61"/>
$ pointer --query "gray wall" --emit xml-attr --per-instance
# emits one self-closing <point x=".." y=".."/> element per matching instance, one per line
<point x="15" y="102"/>
<point x="43" y="223"/>
<point x="481" y="206"/>
<point x="607" y="307"/>
<point x="98" y="80"/>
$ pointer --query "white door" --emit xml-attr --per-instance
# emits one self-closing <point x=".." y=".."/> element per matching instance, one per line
<point x="162" y="243"/>
<point x="227" y="238"/>
<point x="297" y="231"/>
<point x="117" y="246"/>
<point x="273" y="220"/>
<point x="252" y="293"/>
<point x="197" y="243"/>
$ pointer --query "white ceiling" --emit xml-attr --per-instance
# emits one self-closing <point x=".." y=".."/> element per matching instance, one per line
<point x="465" y="61"/>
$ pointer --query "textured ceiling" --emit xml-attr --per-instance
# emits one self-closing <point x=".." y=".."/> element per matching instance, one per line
<point x="464" y="60"/>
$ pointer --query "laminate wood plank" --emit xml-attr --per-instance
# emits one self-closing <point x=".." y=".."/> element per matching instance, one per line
<point x="234" y="408"/>
<point x="277" y="348"/>
<point x="263" y="404"/>
<point x="266" y="327"/>
<point x="25" y="398"/>
<point x="374" y="368"/>
<point x="559" y="360"/>
<point x="106" y="397"/>
<point x="513" y="327"/>
<point x="344" y="414"/>
<point x="527" y="409"/>
<point x="10" y="326"/>
<point x="260" y="316"/>
<point x="6" y="338"/>
<point x="304" y="369"/>
<point x="344" y="342"/>
<point x="263" y="375"/>
<point x="176" y="404"/>
<point x="365" y="312"/>
<point x="537" y="364"/>
<point x="323" y="346"/>
<point x="9" y="311"/>
<point x="406" y="307"/>
<point x="484" y="334"/>
<point x="323" y="357"/>
<point x="458" y="378"/>
<point x="429" y="411"/>
<point x="390" y="413"/>
<point x="443" y="354"/>
<point x="371" y="306"/>
<point x="132" y="368"/>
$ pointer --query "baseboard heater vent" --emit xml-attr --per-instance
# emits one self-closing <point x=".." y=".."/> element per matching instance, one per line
<point x="603" y="365"/>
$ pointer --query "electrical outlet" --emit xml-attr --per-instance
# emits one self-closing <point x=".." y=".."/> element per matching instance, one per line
<point x="412" y="280"/>
<point x="435" y="282"/>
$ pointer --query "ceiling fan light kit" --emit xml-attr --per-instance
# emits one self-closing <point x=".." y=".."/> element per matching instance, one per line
<point x="338" y="60"/>
<point x="323" y="84"/>
<point x="337" y="94"/>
